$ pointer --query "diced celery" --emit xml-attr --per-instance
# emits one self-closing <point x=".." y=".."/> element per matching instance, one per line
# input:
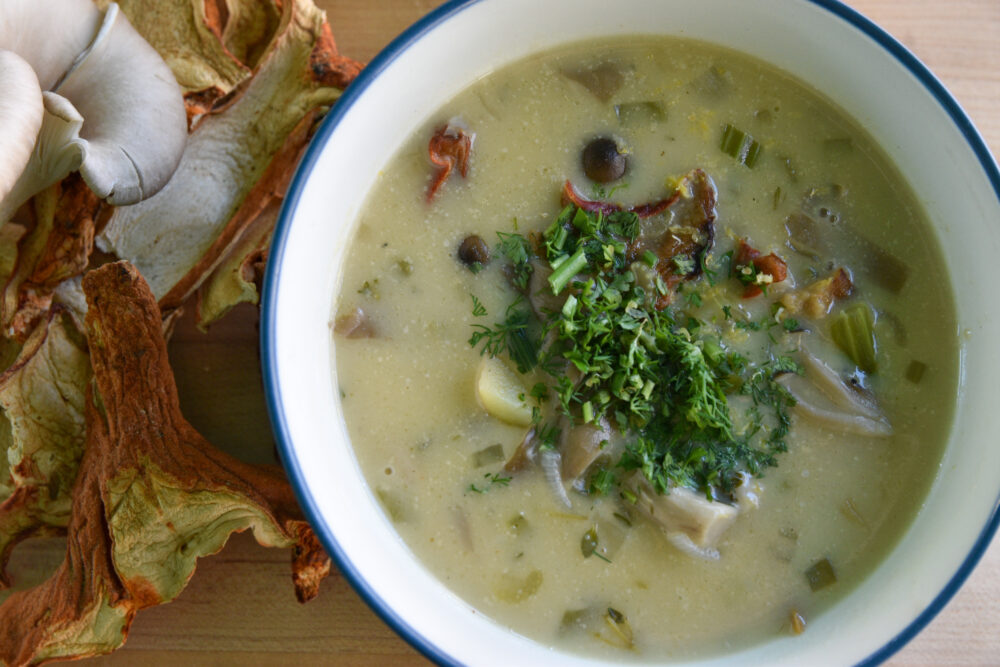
<point x="491" y="454"/>
<point x="820" y="575"/>
<point x="740" y="145"/>
<point x="853" y="330"/>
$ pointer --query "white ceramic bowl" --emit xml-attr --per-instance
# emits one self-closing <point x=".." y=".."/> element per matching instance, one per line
<point x="846" y="57"/>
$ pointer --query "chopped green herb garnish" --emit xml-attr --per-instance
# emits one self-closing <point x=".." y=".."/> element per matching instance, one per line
<point x="510" y="336"/>
<point x="494" y="479"/>
<point x="654" y="372"/>
<point x="683" y="265"/>
<point x="516" y="248"/>
<point x="478" y="309"/>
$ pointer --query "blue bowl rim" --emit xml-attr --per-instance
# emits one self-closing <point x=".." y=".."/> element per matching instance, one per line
<point x="268" y="312"/>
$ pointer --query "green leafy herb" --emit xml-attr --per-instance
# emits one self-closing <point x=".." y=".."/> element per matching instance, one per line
<point x="494" y="479"/>
<point x="658" y="375"/>
<point x="510" y="336"/>
<point x="478" y="309"/>
<point x="516" y="248"/>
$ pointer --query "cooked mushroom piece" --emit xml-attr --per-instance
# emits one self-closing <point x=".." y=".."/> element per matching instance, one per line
<point x="473" y="250"/>
<point x="603" y="161"/>
<point x="685" y="512"/>
<point x="580" y="445"/>
<point x="823" y="396"/>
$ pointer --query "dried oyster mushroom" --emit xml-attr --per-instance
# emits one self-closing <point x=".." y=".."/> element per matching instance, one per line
<point x="187" y="35"/>
<point x="41" y="410"/>
<point x="240" y="252"/>
<point x="167" y="236"/>
<point x="57" y="247"/>
<point x="151" y="496"/>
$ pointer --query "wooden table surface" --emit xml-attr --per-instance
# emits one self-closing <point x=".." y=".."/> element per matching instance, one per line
<point x="240" y="609"/>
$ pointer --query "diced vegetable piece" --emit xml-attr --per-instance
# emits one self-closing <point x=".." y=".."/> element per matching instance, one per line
<point x="392" y="504"/>
<point x="513" y="588"/>
<point x="820" y="575"/>
<point x="488" y="455"/>
<point x="915" y="371"/>
<point x="602" y="80"/>
<point x="575" y="619"/>
<point x="611" y="534"/>
<point x="714" y="84"/>
<point x="501" y="393"/>
<point x="740" y="145"/>
<point x="803" y="235"/>
<point x="569" y="268"/>
<point x="519" y="525"/>
<point x="588" y="543"/>
<point x="853" y="331"/>
<point x="641" y="113"/>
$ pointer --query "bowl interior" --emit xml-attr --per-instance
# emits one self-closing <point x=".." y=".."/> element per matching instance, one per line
<point x="823" y="43"/>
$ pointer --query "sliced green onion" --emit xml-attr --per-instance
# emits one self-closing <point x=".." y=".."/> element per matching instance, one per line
<point x="567" y="269"/>
<point x="740" y="145"/>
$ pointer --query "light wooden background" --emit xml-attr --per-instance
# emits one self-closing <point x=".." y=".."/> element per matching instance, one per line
<point x="239" y="608"/>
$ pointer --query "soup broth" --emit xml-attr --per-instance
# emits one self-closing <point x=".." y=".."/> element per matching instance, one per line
<point x="430" y="415"/>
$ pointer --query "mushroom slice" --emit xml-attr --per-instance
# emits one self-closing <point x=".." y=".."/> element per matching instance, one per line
<point x="580" y="445"/>
<point x="21" y="115"/>
<point x="683" y="511"/>
<point x="845" y="414"/>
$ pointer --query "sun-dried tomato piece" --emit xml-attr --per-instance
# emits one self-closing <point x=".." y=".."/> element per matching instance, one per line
<point x="450" y="146"/>
<point x="572" y="196"/>
<point x="767" y="269"/>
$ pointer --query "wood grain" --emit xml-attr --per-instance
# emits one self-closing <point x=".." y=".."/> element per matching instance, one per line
<point x="239" y="607"/>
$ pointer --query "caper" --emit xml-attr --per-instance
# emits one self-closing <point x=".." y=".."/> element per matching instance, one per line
<point x="602" y="161"/>
<point x="474" y="251"/>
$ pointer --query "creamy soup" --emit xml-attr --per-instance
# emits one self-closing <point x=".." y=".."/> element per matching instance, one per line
<point x="645" y="349"/>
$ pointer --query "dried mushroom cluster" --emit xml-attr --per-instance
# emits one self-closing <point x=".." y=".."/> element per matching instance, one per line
<point x="96" y="446"/>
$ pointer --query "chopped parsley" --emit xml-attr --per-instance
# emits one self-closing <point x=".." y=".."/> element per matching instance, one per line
<point x="494" y="479"/>
<point x="658" y="375"/>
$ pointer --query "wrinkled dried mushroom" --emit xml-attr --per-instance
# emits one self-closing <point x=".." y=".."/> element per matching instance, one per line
<point x="151" y="496"/>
